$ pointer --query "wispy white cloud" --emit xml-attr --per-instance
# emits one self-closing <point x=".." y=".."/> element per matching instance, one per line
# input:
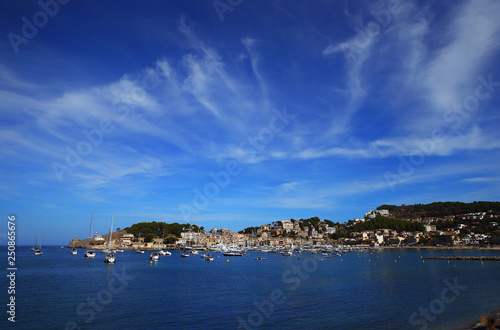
<point x="469" y="40"/>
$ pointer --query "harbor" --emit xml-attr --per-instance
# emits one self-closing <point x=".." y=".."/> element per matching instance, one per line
<point x="306" y="289"/>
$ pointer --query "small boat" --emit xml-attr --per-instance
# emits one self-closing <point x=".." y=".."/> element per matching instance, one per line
<point x="73" y="250"/>
<point x="155" y="256"/>
<point x="208" y="257"/>
<point x="164" y="252"/>
<point x="119" y="250"/>
<point x="38" y="248"/>
<point x="90" y="253"/>
<point x="259" y="258"/>
<point x="110" y="257"/>
<point x="185" y="254"/>
<point x="140" y="251"/>
<point x="193" y="251"/>
<point x="233" y="254"/>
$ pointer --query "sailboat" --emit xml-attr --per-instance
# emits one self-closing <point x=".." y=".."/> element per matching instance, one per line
<point x="35" y="243"/>
<point x="154" y="256"/>
<point x="164" y="251"/>
<point x="90" y="253"/>
<point x="73" y="250"/>
<point x="38" y="248"/>
<point x="139" y="250"/>
<point x="110" y="256"/>
<point x="184" y="254"/>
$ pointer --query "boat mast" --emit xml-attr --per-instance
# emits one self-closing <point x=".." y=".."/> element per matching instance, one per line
<point x="110" y="232"/>
<point x="90" y="230"/>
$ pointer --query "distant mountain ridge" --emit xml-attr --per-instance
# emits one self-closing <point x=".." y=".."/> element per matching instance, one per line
<point x="440" y="209"/>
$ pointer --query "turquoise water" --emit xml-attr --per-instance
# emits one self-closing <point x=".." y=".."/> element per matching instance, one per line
<point x="392" y="289"/>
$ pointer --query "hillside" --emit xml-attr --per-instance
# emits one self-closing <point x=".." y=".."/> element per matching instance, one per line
<point x="440" y="209"/>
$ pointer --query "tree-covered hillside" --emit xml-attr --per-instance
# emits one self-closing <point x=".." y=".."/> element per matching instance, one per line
<point x="157" y="229"/>
<point x="440" y="209"/>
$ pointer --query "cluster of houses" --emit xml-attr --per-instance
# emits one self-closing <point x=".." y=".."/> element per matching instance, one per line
<point x="288" y="232"/>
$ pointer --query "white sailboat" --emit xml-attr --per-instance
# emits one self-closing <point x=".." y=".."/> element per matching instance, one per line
<point x="139" y="250"/>
<point x="154" y="256"/>
<point x="184" y="254"/>
<point x="163" y="251"/>
<point x="38" y="248"/>
<point x="73" y="250"/>
<point x="35" y="243"/>
<point x="90" y="253"/>
<point x="110" y="257"/>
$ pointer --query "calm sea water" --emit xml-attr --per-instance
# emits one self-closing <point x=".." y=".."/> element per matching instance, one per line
<point x="392" y="289"/>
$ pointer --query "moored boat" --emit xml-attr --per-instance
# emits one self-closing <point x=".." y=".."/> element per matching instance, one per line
<point x="154" y="256"/>
<point x="90" y="253"/>
<point x="164" y="252"/>
<point x="110" y="257"/>
<point x="233" y="254"/>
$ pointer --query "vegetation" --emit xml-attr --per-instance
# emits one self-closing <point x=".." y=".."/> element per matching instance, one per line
<point x="440" y="209"/>
<point x="150" y="230"/>
<point x="249" y="230"/>
<point x="313" y="222"/>
<point x="380" y="222"/>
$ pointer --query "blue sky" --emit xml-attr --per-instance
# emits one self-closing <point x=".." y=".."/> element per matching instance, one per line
<point x="243" y="114"/>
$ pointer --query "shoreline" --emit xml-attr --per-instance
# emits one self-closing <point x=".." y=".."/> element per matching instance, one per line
<point x="494" y="248"/>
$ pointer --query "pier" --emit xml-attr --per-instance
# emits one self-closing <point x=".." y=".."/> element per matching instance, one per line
<point x="491" y="258"/>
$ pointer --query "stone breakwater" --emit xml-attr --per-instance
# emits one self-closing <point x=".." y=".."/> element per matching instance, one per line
<point x="492" y="258"/>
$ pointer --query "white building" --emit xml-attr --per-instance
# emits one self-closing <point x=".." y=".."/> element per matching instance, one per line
<point x="98" y="238"/>
<point x="287" y="225"/>
<point x="127" y="238"/>
<point x="383" y="212"/>
<point x="429" y="228"/>
<point x="373" y="213"/>
<point x="190" y="236"/>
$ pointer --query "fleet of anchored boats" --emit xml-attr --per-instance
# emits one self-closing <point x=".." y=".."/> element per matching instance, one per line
<point x="228" y="251"/>
<point x="231" y="251"/>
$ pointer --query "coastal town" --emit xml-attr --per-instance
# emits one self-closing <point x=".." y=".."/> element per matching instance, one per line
<point x="378" y="228"/>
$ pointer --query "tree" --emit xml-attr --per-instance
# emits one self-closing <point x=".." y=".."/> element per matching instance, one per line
<point x="149" y="237"/>
<point x="170" y="240"/>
